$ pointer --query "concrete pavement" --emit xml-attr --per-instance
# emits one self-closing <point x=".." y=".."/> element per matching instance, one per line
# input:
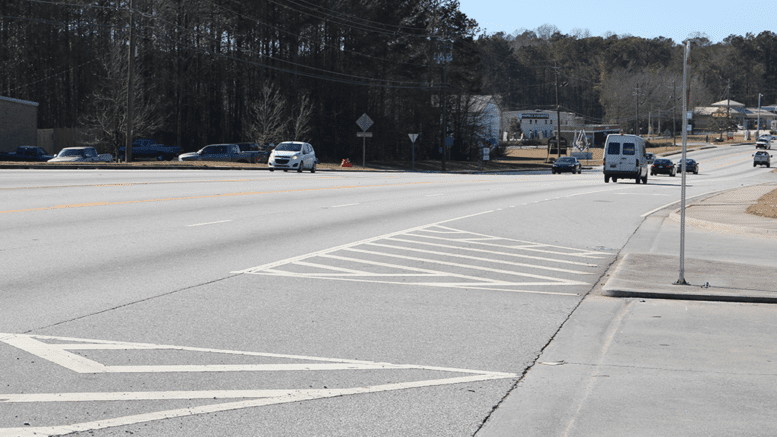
<point x="641" y="356"/>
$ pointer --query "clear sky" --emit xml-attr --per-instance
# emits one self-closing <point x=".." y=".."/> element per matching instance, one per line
<point x="648" y="19"/>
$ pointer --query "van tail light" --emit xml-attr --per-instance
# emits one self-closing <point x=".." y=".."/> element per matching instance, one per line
<point x="604" y="161"/>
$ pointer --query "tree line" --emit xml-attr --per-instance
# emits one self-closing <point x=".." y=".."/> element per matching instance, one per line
<point x="624" y="80"/>
<point x="211" y="71"/>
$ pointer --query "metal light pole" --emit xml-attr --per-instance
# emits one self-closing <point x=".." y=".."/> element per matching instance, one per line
<point x="686" y="101"/>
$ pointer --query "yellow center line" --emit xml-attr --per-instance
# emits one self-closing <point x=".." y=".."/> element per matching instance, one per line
<point x="127" y="184"/>
<point x="213" y="196"/>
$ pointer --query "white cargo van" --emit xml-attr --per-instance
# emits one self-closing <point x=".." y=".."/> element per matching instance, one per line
<point x="624" y="157"/>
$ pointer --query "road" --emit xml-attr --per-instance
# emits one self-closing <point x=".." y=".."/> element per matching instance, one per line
<point x="244" y="303"/>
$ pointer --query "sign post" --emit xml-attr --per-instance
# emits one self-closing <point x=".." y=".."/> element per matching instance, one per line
<point x="364" y="122"/>
<point x="686" y="102"/>
<point x="413" y="137"/>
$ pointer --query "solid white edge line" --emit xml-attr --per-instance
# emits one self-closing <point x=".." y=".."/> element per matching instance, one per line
<point x="678" y="201"/>
<point x="210" y="223"/>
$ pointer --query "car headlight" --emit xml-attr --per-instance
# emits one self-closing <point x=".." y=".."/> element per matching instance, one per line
<point x="295" y="157"/>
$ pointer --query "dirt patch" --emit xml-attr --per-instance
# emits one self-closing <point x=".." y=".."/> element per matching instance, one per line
<point x="766" y="206"/>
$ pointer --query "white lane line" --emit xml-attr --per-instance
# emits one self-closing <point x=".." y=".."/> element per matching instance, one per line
<point x="677" y="201"/>
<point x="643" y="194"/>
<point x="434" y="195"/>
<point x="461" y="285"/>
<point x="347" y="204"/>
<point x="210" y="223"/>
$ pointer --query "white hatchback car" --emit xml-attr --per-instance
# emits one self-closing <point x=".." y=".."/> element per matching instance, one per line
<point x="293" y="155"/>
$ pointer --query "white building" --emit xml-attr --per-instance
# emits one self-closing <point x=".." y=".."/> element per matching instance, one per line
<point x="489" y="115"/>
<point x="537" y="124"/>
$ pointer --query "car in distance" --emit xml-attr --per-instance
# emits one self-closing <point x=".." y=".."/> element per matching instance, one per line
<point x="762" y="158"/>
<point x="293" y="155"/>
<point x="145" y="148"/>
<point x="80" y="154"/>
<point x="567" y="163"/>
<point x="650" y="157"/>
<point x="765" y="141"/>
<point x="663" y="166"/>
<point x="220" y="152"/>
<point x="690" y="166"/>
<point x="254" y="152"/>
<point x="26" y="154"/>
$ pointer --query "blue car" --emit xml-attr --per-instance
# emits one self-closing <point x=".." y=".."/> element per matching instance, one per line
<point x="567" y="163"/>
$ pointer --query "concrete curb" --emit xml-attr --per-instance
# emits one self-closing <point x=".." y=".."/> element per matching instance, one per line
<point x="651" y="276"/>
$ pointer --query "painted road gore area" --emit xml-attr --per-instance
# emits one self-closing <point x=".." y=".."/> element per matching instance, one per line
<point x="451" y="258"/>
<point x="71" y="354"/>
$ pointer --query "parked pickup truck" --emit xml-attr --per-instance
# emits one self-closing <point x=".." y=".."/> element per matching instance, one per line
<point x="255" y="155"/>
<point x="81" y="154"/>
<point x="220" y="152"/>
<point x="26" y="154"/>
<point x="150" y="149"/>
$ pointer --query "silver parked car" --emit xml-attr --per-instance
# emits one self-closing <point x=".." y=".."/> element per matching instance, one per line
<point x="80" y="154"/>
<point x="293" y="155"/>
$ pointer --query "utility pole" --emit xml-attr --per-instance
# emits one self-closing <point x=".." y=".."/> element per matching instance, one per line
<point x="636" y="121"/>
<point x="758" y="125"/>
<point x="443" y="58"/>
<point x="130" y="78"/>
<point x="558" y="118"/>
<point x="674" y="112"/>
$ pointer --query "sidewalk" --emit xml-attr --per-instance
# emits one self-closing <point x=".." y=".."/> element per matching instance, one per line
<point x="682" y="360"/>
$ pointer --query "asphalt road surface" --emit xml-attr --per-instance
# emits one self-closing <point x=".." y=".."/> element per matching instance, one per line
<point x="246" y="303"/>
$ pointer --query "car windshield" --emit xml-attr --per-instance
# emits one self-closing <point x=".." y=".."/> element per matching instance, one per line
<point x="566" y="160"/>
<point x="72" y="152"/>
<point x="289" y="147"/>
<point x="663" y="161"/>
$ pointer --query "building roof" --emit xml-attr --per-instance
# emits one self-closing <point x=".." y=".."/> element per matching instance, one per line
<point x="728" y="103"/>
<point x="23" y="102"/>
<point x="740" y="112"/>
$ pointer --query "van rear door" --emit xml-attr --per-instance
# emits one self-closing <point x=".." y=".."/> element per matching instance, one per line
<point x="626" y="160"/>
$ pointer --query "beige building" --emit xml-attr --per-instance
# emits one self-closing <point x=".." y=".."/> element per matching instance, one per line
<point x="705" y="118"/>
<point x="18" y="124"/>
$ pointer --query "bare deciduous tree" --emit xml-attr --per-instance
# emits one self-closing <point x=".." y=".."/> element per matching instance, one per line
<point x="300" y="119"/>
<point x="106" y="120"/>
<point x="266" y="116"/>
